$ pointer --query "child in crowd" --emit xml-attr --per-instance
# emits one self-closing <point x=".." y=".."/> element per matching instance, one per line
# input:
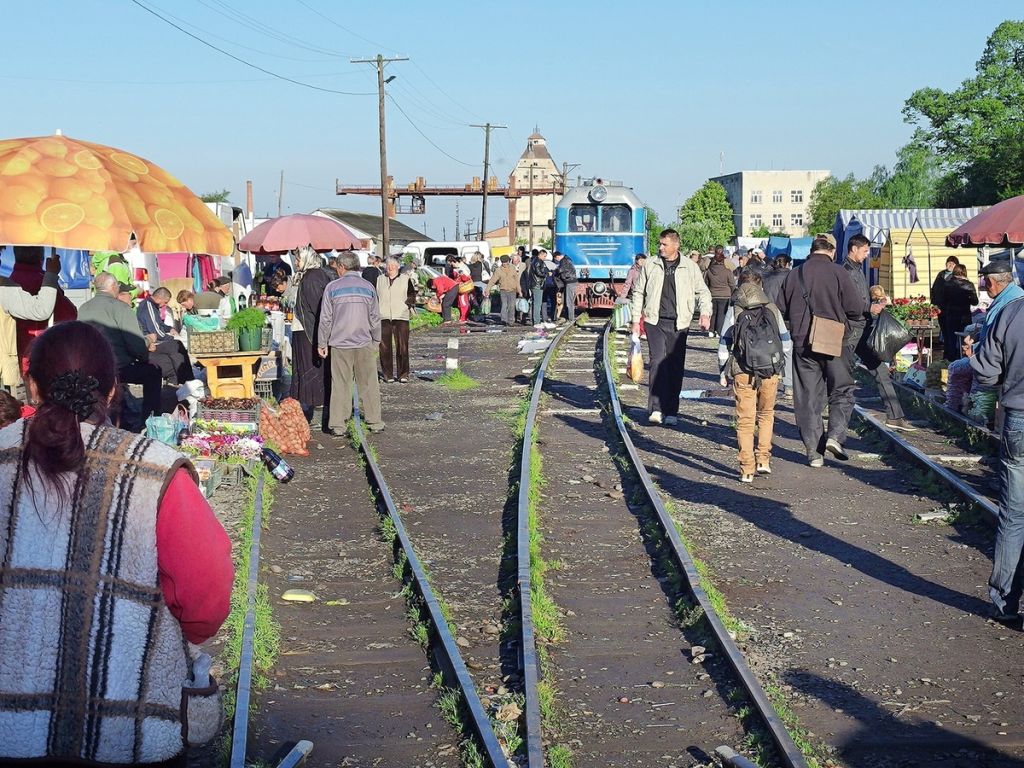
<point x="752" y="353"/>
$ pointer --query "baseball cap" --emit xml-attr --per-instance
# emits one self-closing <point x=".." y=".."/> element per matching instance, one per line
<point x="997" y="267"/>
<point x="125" y="287"/>
<point x="827" y="236"/>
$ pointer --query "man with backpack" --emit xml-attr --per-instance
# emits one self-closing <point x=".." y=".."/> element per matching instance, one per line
<point x="752" y="352"/>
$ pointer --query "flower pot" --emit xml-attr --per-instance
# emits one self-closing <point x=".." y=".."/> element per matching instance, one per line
<point x="250" y="339"/>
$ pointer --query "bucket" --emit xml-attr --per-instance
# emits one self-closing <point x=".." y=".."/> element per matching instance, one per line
<point x="250" y="339"/>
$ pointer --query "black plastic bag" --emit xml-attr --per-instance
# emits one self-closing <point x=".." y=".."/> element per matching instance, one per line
<point x="887" y="337"/>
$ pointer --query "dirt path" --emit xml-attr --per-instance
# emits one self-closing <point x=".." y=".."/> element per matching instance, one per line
<point x="870" y="622"/>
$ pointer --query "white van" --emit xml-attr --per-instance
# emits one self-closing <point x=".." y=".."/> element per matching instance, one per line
<point x="434" y="254"/>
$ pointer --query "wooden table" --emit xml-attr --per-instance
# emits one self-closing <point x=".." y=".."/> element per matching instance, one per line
<point x="231" y="374"/>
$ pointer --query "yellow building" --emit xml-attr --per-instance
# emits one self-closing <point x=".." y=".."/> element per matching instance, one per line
<point x="907" y="243"/>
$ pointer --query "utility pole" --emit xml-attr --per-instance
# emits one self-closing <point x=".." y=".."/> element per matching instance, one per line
<point x="280" y="193"/>
<point x="380" y="62"/>
<point x="487" y="157"/>
<point x="532" y="166"/>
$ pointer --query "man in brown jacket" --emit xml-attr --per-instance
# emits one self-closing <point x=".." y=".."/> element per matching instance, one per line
<point x="507" y="279"/>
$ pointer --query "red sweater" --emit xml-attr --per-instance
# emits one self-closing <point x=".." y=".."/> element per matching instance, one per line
<point x="194" y="560"/>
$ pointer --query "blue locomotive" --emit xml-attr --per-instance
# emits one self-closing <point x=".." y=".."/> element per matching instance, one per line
<point x="601" y="227"/>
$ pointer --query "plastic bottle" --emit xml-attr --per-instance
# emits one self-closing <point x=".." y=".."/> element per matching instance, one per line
<point x="278" y="467"/>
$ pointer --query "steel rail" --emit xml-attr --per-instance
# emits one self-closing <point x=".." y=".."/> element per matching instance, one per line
<point x="789" y="753"/>
<point x="528" y="641"/>
<point x="958" y="485"/>
<point x="243" y="691"/>
<point x="445" y="649"/>
<point x="945" y="410"/>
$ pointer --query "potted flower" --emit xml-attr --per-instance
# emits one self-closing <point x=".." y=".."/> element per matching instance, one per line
<point x="914" y="312"/>
<point x="249" y="325"/>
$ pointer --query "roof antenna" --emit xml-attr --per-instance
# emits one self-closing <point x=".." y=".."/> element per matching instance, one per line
<point x="58" y="132"/>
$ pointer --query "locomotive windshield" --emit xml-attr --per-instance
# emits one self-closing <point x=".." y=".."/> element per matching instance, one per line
<point x="583" y="218"/>
<point x="616" y="218"/>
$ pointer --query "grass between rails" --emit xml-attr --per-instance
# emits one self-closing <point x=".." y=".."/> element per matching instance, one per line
<point x="449" y="700"/>
<point x="267" y="633"/>
<point x="758" y="741"/>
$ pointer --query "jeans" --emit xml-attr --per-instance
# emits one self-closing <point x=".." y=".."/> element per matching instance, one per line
<point x="668" y="356"/>
<point x="508" y="307"/>
<point x="1005" y="582"/>
<point x="537" y="305"/>
<point x="818" y="379"/>
<point x="570" y="302"/>
<point x="754" y="404"/>
<point x="148" y="375"/>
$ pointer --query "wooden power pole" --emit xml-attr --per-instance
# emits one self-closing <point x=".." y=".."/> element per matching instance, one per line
<point x="487" y="164"/>
<point x="280" y="194"/>
<point x="380" y="62"/>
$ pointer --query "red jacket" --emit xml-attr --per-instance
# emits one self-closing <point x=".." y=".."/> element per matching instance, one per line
<point x="443" y="283"/>
<point x="30" y="278"/>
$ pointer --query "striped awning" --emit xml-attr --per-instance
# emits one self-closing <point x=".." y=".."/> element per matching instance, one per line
<point x="876" y="223"/>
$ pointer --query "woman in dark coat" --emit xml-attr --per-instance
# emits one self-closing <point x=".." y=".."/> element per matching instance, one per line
<point x="959" y="295"/>
<point x="310" y="372"/>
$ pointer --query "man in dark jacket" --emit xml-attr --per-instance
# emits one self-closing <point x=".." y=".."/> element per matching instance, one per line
<point x="539" y="273"/>
<point x="817" y="377"/>
<point x="566" y="280"/>
<point x="772" y="279"/>
<point x="999" y="361"/>
<point x="858" y="249"/>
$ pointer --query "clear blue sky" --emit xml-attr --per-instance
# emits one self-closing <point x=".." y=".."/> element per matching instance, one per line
<point x="647" y="92"/>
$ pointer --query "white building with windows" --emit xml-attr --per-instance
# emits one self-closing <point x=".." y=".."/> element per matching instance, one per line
<point x="775" y="199"/>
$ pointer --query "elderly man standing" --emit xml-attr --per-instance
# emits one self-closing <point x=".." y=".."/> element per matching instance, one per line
<point x="999" y="361"/>
<point x="664" y="293"/>
<point x="119" y="325"/>
<point x="350" y="329"/>
<point x="506" y="278"/>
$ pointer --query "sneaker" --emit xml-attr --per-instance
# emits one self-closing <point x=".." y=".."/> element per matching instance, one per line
<point x="746" y="477"/>
<point x="404" y="380"/>
<point x="375" y="427"/>
<point x="900" y="425"/>
<point x="817" y="461"/>
<point x="671" y="421"/>
<point x="655" y="417"/>
<point x="832" y="446"/>
<point x="764" y="469"/>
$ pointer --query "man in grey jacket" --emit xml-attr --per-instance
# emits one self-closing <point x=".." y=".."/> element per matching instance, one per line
<point x="350" y="329"/>
<point x="999" y="361"/>
<point x="665" y="292"/>
<point x="119" y="325"/>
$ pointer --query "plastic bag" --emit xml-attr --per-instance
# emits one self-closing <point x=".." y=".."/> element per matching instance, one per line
<point x="635" y="368"/>
<point x="166" y="427"/>
<point x="522" y="305"/>
<point x="887" y="337"/>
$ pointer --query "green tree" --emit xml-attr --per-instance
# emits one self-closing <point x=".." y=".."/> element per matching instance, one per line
<point x="977" y="130"/>
<point x="654" y="227"/>
<point x="216" y="197"/>
<point x="830" y="195"/>
<point x="764" y="231"/>
<point x="706" y="219"/>
<point x="914" y="180"/>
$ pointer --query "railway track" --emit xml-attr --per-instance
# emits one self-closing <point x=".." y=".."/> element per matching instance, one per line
<point x="634" y="676"/>
<point x="953" y="458"/>
<point x="353" y="679"/>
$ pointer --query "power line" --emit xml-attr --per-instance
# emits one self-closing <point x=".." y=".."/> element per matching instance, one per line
<point x="243" y="61"/>
<point x="451" y="98"/>
<point x="429" y="140"/>
<point x="231" y="42"/>
<point x="238" y="17"/>
<point x="328" y="19"/>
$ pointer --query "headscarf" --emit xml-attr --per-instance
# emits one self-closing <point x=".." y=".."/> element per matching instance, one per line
<point x="306" y="259"/>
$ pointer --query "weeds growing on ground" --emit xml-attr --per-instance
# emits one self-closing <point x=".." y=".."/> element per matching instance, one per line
<point x="457" y="381"/>
<point x="421" y="318"/>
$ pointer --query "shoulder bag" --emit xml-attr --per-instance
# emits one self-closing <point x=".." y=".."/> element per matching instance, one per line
<point x="826" y="336"/>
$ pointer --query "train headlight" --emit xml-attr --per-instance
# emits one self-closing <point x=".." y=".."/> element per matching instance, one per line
<point x="599" y="288"/>
<point x="598" y="194"/>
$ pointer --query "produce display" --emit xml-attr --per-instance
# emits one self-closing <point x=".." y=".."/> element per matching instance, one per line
<point x="286" y="427"/>
<point x="229" y="403"/>
<point x="225" y="446"/>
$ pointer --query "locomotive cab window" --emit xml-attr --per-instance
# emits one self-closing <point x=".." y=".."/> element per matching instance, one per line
<point x="583" y="218"/>
<point x="616" y="218"/>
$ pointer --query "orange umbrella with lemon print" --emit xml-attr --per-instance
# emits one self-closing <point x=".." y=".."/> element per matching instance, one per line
<point x="67" y="193"/>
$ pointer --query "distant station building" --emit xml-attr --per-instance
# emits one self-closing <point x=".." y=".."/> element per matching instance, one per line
<point x="370" y="229"/>
<point x="535" y="171"/>
<point x="775" y="199"/>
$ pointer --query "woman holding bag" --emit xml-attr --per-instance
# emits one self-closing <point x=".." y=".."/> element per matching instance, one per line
<point x="113" y="565"/>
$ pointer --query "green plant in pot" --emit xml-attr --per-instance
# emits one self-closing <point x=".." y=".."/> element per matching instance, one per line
<point x="249" y="325"/>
